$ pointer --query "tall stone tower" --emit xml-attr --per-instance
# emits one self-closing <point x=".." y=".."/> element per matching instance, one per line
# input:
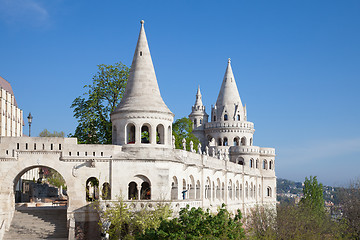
<point x="229" y="125"/>
<point x="142" y="118"/>
<point x="199" y="117"/>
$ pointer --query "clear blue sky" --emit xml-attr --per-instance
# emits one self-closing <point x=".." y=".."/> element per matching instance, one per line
<point x="296" y="63"/>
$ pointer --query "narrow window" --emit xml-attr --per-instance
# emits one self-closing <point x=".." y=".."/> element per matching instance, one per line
<point x="214" y="118"/>
<point x="51" y="147"/>
<point x="34" y="146"/>
<point x="18" y="146"/>
<point x="225" y="117"/>
<point x="7" y="152"/>
<point x="102" y="154"/>
<point x="140" y="53"/>
<point x="238" y="117"/>
<point x="94" y="154"/>
<point x="43" y="146"/>
<point x="26" y="146"/>
<point x="69" y="153"/>
<point x="85" y="153"/>
<point x="59" y="146"/>
<point x="78" y="153"/>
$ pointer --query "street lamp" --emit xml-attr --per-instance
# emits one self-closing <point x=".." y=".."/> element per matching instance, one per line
<point x="29" y="121"/>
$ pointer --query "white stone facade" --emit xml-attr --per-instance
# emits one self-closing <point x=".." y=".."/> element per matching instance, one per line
<point x="141" y="165"/>
<point x="11" y="117"/>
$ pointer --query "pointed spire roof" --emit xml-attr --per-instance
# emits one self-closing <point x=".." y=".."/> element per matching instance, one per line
<point x="198" y="101"/>
<point x="229" y="94"/>
<point x="142" y="91"/>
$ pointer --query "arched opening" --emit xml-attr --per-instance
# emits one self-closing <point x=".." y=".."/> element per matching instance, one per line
<point x="225" y="141"/>
<point x="106" y="191"/>
<point x="241" y="191"/>
<point x="130" y="133"/>
<point x="174" y="189"/>
<point x="236" y="141"/>
<point x="251" y="141"/>
<point x="223" y="191"/>
<point x="225" y="117"/>
<point x="271" y="164"/>
<point x="195" y="122"/>
<point x="43" y="191"/>
<point x="238" y="117"/>
<point x="269" y="193"/>
<point x="192" y="188"/>
<point x="213" y="190"/>
<point x="207" y="189"/>
<point x="145" y="192"/>
<point x="218" y="189"/>
<point x="241" y="161"/>
<point x="246" y="190"/>
<point x="251" y="163"/>
<point x="265" y="164"/>
<point x="133" y="193"/>
<point x="198" y="189"/>
<point x="160" y="134"/>
<point x="145" y="134"/>
<point x="243" y="141"/>
<point x="184" y="190"/>
<point x="169" y="136"/>
<point x="214" y="118"/>
<point x="237" y="190"/>
<point x="251" y="190"/>
<point x="230" y="190"/>
<point x="257" y="163"/>
<point x="219" y="142"/>
<point x="200" y="121"/>
<point x="92" y="189"/>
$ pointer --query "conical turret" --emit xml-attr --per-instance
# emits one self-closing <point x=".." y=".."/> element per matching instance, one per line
<point x="142" y="117"/>
<point x="142" y="91"/>
<point x="228" y="104"/>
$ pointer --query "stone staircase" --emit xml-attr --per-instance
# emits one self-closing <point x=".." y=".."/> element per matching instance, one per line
<point x="38" y="223"/>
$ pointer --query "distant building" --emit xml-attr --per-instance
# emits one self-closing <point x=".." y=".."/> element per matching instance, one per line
<point x="11" y="119"/>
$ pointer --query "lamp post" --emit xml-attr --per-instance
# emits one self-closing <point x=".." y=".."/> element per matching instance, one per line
<point x="29" y="121"/>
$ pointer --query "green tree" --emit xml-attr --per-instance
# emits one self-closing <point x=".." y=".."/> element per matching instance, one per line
<point x="182" y="128"/>
<point x="93" y="108"/>
<point x="350" y="205"/>
<point x="126" y="223"/>
<point x="313" y="195"/>
<point x="195" y="223"/>
<point x="47" y="133"/>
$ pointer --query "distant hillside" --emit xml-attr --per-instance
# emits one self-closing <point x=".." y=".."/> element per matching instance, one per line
<point x="287" y="188"/>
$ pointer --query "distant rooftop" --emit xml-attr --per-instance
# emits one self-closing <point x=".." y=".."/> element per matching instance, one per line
<point x="7" y="86"/>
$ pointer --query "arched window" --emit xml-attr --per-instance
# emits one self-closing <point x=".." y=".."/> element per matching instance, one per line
<point x="192" y="188"/>
<point x="269" y="193"/>
<point x="133" y="193"/>
<point x="184" y="190"/>
<point x="92" y="189"/>
<point x="270" y="165"/>
<point x="237" y="190"/>
<point x="241" y="161"/>
<point x="130" y="133"/>
<point x="243" y="141"/>
<point x="225" y="141"/>
<point x="238" y="117"/>
<point x="198" y="189"/>
<point x="174" y="189"/>
<point x="223" y="191"/>
<point x="225" y="117"/>
<point x="145" y="192"/>
<point x="160" y="132"/>
<point x="207" y="189"/>
<point x="200" y="121"/>
<point x="219" y="142"/>
<point x="236" y="141"/>
<point x="265" y="164"/>
<point x="251" y="141"/>
<point x="169" y="136"/>
<point x="218" y="189"/>
<point x="251" y="163"/>
<point x="106" y="191"/>
<point x="230" y="190"/>
<point x="251" y="190"/>
<point x="241" y="191"/>
<point x="246" y="190"/>
<point x="195" y="122"/>
<point x="257" y="163"/>
<point x="214" y="118"/>
<point x="145" y="134"/>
